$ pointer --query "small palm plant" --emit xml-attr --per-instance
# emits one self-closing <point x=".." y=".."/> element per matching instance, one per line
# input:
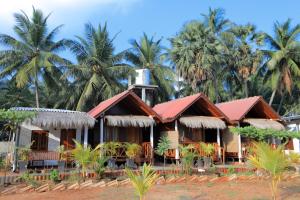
<point x="187" y="157"/>
<point x="142" y="181"/>
<point x="85" y="157"/>
<point x="294" y="159"/>
<point x="208" y="150"/>
<point x="132" y="151"/>
<point x="272" y="161"/>
<point x="162" y="147"/>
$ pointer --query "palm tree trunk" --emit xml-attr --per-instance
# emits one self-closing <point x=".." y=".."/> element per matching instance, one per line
<point x="246" y="89"/>
<point x="281" y="102"/>
<point x="215" y="83"/>
<point x="272" y="97"/>
<point x="36" y="91"/>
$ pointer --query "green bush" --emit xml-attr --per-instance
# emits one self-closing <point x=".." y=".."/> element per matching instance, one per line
<point x="54" y="175"/>
<point x="28" y="179"/>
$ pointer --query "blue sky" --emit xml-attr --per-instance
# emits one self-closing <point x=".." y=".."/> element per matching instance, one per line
<point x="160" y="18"/>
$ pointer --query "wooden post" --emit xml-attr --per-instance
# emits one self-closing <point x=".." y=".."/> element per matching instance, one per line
<point x="177" y="157"/>
<point x="239" y="146"/>
<point x="78" y="134"/>
<point x="152" y="143"/>
<point x="101" y="131"/>
<point x="219" y="143"/>
<point x="85" y="139"/>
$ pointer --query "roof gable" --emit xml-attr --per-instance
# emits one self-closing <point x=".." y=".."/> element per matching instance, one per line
<point x="106" y="105"/>
<point x="171" y="110"/>
<point x="237" y="110"/>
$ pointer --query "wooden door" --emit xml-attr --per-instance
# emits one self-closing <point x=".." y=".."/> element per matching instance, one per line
<point x="67" y="138"/>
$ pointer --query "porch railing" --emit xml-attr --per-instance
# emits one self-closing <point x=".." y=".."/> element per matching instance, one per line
<point x="199" y="151"/>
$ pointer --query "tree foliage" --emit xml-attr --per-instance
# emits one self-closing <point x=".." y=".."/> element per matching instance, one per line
<point x="263" y="134"/>
<point x="142" y="181"/>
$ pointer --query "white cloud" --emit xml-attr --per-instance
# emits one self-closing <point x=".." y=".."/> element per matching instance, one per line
<point x="61" y="8"/>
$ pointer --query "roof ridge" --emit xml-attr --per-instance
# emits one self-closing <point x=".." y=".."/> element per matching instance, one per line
<point x="198" y="94"/>
<point x="234" y="100"/>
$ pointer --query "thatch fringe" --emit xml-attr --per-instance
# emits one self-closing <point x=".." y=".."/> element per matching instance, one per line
<point x="202" y="122"/>
<point x="129" y="120"/>
<point x="57" y="118"/>
<point x="264" y="123"/>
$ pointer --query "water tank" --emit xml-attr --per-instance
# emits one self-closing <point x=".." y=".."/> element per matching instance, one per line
<point x="142" y="77"/>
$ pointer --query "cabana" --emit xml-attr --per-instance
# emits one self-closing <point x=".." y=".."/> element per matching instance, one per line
<point x="293" y="124"/>
<point x="51" y="128"/>
<point x="191" y="120"/>
<point x="125" y="118"/>
<point x="252" y="111"/>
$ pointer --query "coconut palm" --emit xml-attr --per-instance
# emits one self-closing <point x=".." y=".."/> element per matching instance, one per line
<point x="148" y="53"/>
<point x="283" y="59"/>
<point x="271" y="161"/>
<point x="143" y="181"/>
<point x="99" y="71"/>
<point x="32" y="56"/>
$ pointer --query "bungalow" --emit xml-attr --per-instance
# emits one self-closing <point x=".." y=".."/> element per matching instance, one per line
<point x="293" y="124"/>
<point x="191" y="120"/>
<point x="252" y="111"/>
<point x="125" y="118"/>
<point x="49" y="129"/>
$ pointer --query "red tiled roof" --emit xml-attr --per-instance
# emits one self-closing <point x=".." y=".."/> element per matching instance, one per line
<point x="107" y="104"/>
<point x="236" y="110"/>
<point x="170" y="110"/>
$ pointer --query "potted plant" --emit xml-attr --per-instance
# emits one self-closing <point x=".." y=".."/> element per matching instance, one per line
<point x="163" y="146"/>
<point x="23" y="154"/>
<point x="61" y="163"/>
<point x="132" y="151"/>
<point x="208" y="150"/>
<point x="111" y="151"/>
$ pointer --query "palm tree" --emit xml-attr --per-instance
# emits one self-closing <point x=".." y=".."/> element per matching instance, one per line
<point x="143" y="181"/>
<point x="85" y="157"/>
<point x="12" y="96"/>
<point x="283" y="59"/>
<point x="164" y="144"/>
<point x="195" y="52"/>
<point x="99" y="71"/>
<point x="215" y="20"/>
<point x="272" y="161"/>
<point x="242" y="61"/>
<point x="33" y="56"/>
<point x="148" y="53"/>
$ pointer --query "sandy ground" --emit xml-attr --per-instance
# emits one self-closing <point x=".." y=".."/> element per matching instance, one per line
<point x="258" y="190"/>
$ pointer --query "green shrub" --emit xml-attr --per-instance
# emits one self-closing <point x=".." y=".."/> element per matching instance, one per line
<point x="54" y="176"/>
<point x="28" y="179"/>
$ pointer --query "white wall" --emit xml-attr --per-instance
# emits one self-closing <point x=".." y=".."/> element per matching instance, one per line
<point x="296" y="142"/>
<point x="54" y="136"/>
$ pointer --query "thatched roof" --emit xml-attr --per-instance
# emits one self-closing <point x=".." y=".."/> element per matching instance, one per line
<point x="129" y="120"/>
<point x="202" y="122"/>
<point x="264" y="123"/>
<point x="58" y="118"/>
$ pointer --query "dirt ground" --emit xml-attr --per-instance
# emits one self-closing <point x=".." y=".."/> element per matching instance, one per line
<point x="241" y="190"/>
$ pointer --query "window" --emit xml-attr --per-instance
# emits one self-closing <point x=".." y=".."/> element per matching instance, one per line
<point x="67" y="138"/>
<point x="39" y="140"/>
